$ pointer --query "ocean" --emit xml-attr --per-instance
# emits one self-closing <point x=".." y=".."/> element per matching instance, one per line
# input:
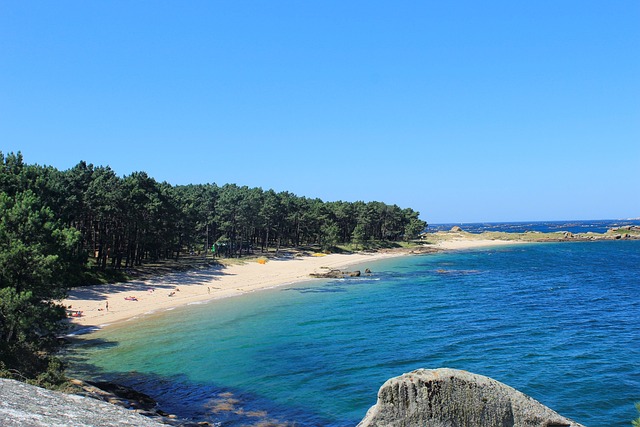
<point x="557" y="321"/>
<point x="594" y="226"/>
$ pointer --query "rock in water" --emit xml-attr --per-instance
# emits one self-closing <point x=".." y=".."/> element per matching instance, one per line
<point x="336" y="274"/>
<point x="449" y="397"/>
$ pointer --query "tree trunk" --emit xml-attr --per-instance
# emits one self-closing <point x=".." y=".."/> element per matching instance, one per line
<point x="267" y="238"/>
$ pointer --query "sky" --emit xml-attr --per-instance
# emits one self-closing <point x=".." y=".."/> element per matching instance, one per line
<point x="466" y="111"/>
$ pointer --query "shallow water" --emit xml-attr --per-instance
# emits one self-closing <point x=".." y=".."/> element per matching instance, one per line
<point x="559" y="322"/>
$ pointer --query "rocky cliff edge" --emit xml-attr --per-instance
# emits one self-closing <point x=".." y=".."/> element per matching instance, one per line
<point x="26" y="405"/>
<point x="422" y="398"/>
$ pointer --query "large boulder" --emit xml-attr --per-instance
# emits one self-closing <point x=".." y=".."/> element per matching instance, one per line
<point x="448" y="397"/>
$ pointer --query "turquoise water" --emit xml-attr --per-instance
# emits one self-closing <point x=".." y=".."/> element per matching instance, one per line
<point x="559" y="322"/>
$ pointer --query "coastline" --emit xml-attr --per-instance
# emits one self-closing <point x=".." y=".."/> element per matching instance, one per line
<point x="223" y="281"/>
<point x="244" y="273"/>
<point x="200" y="285"/>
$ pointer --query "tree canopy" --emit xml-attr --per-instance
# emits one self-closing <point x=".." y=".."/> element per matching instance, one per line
<point x="123" y="221"/>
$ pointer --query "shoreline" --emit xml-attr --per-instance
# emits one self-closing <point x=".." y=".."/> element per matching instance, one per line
<point x="181" y="288"/>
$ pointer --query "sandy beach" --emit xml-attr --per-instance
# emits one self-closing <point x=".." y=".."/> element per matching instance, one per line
<point x="131" y="299"/>
<point x="102" y="305"/>
<point x="462" y="243"/>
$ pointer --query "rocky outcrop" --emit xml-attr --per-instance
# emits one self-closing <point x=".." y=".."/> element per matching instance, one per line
<point x="449" y="397"/>
<point x="336" y="274"/>
<point x="422" y="398"/>
<point x="25" y="405"/>
<point x="625" y="227"/>
<point x="456" y="229"/>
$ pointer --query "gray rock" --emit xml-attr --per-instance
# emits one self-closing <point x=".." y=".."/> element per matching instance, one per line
<point x="448" y="397"/>
<point x="23" y="405"/>
<point x="335" y="274"/>
<point x="456" y="229"/>
<point x="422" y="398"/>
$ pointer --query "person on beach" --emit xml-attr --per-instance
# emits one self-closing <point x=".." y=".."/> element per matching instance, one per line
<point x="106" y="305"/>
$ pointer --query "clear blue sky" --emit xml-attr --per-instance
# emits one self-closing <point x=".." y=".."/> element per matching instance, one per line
<point x="466" y="111"/>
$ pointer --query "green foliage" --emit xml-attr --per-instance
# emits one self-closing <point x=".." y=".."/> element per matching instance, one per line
<point x="34" y="247"/>
<point x="36" y="258"/>
<point x="329" y="236"/>
<point x="25" y="318"/>
<point x="358" y="237"/>
<point x="28" y="329"/>
<point x="636" y="422"/>
<point x="45" y="371"/>
<point x="53" y="376"/>
<point x="414" y="228"/>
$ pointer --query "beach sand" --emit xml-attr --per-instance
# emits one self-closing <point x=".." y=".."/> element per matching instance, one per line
<point x="461" y="243"/>
<point x="153" y="295"/>
<point x="199" y="285"/>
